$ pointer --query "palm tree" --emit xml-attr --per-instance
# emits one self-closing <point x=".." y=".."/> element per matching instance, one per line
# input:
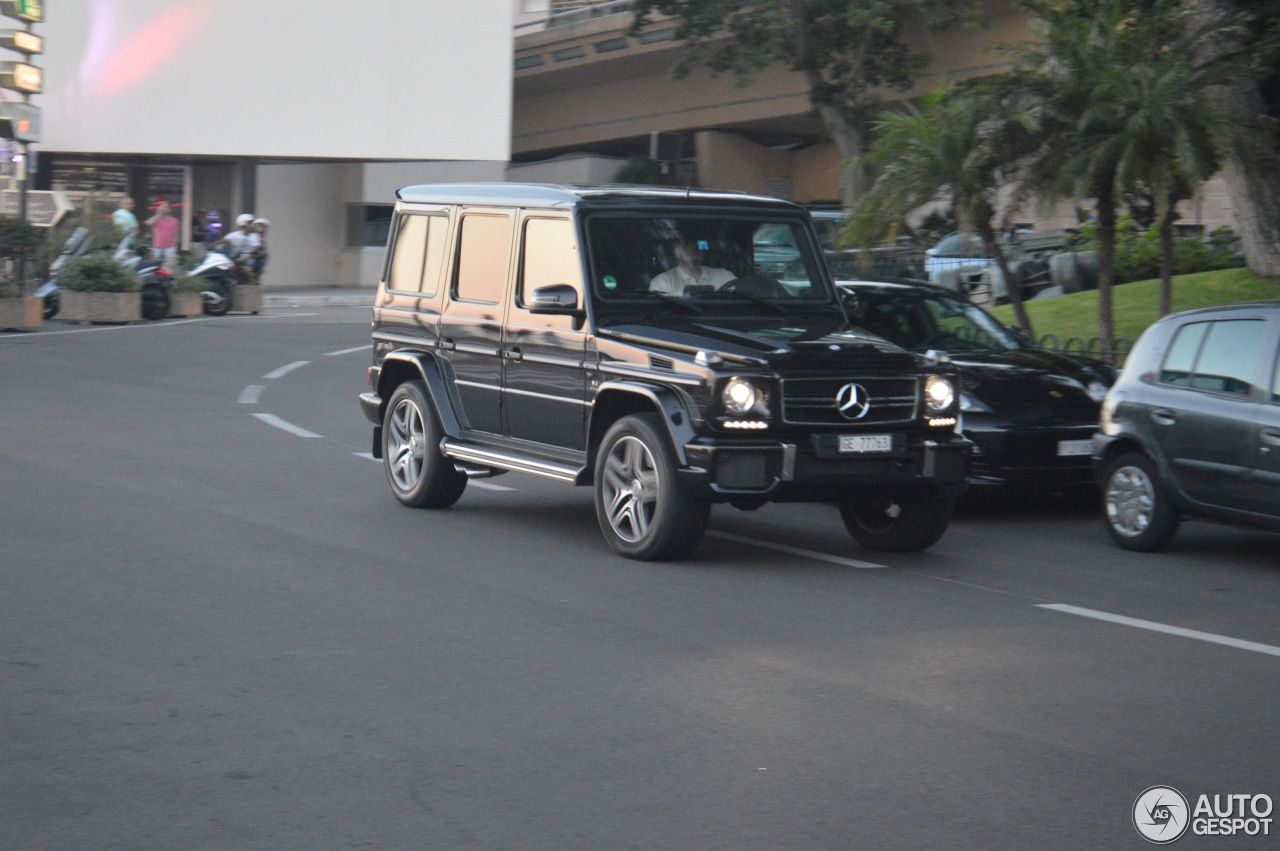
<point x="955" y="145"/>
<point x="1122" y="101"/>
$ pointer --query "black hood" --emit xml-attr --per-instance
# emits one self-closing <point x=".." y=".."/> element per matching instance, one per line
<point x="814" y="340"/>
<point x="1029" y="376"/>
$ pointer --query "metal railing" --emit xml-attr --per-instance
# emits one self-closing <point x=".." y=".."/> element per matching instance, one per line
<point x="1091" y="348"/>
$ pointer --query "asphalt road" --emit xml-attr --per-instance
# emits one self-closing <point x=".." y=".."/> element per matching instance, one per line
<point x="219" y="631"/>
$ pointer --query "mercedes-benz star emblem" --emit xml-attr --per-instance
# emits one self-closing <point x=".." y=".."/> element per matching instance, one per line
<point x="853" y="401"/>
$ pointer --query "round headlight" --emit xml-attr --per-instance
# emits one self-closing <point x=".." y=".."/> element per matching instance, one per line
<point x="939" y="394"/>
<point x="1097" y="391"/>
<point x="739" y="396"/>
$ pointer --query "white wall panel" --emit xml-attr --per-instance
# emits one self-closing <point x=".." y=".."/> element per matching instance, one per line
<point x="375" y="79"/>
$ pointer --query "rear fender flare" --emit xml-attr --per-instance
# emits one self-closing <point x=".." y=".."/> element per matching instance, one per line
<point x="399" y="367"/>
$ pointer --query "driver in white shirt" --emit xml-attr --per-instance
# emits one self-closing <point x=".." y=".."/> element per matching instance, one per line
<point x="689" y="272"/>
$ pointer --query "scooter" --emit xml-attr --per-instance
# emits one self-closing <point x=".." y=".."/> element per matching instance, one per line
<point x="222" y="275"/>
<point x="78" y="243"/>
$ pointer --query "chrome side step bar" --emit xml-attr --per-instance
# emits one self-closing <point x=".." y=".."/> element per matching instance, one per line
<point x="490" y="458"/>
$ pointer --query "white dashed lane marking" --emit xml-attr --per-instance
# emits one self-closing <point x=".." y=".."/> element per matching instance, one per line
<point x="797" y="551"/>
<point x="250" y="394"/>
<point x="347" y="351"/>
<point x="285" y="425"/>
<point x="286" y="369"/>
<point x="1212" y="638"/>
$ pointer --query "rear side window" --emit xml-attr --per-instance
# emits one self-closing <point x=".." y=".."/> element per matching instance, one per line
<point x="1182" y="354"/>
<point x="1231" y="356"/>
<point x="483" y="257"/>
<point x="418" y="254"/>
<point x="1221" y="357"/>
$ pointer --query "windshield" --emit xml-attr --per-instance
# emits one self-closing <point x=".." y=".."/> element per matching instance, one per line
<point x="700" y="262"/>
<point x="923" y="322"/>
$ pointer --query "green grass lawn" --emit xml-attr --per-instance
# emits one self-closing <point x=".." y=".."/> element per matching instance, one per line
<point x="1134" y="305"/>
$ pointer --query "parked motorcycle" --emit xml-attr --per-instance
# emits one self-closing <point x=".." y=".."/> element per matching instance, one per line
<point x="155" y="283"/>
<point x="222" y="275"/>
<point x="49" y="292"/>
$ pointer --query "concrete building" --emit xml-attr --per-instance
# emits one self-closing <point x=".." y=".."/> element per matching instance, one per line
<point x="310" y="115"/>
<point x="588" y="94"/>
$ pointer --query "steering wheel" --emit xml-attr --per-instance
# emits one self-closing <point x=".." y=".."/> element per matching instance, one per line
<point x="760" y="286"/>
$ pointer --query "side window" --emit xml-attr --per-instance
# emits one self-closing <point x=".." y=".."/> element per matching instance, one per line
<point x="550" y="256"/>
<point x="1275" y="382"/>
<point x="1182" y="354"/>
<point x="1230" y="359"/>
<point x="404" y="272"/>
<point x="437" y="248"/>
<point x="483" y="255"/>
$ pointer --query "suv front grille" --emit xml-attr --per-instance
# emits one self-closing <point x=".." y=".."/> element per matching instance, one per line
<point x="812" y="401"/>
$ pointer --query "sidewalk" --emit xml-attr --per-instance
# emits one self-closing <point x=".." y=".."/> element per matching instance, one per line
<point x="318" y="296"/>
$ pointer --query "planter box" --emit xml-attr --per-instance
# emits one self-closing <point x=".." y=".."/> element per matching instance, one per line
<point x="101" y="307"/>
<point x="21" y="314"/>
<point x="186" y="304"/>
<point x="247" y="299"/>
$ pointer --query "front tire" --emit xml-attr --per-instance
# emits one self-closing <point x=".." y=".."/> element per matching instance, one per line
<point x="1136" y="506"/>
<point x="642" y="510"/>
<point x="217" y="300"/>
<point x="897" y="523"/>
<point x="419" y="474"/>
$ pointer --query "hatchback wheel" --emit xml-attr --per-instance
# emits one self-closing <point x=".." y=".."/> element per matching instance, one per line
<point x="1136" y="504"/>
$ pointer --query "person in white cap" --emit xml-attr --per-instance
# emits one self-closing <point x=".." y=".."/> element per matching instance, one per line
<point x="244" y="241"/>
<point x="260" y="226"/>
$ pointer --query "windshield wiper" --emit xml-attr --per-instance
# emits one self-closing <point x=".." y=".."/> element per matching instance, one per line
<point x="776" y="308"/>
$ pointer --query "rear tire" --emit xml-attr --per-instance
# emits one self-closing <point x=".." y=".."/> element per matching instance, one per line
<point x="155" y="301"/>
<point x="641" y="508"/>
<point x="419" y="474"/>
<point x="1136" y="506"/>
<point x="897" y="523"/>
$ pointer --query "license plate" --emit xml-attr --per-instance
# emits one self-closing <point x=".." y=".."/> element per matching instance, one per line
<point x="1074" y="447"/>
<point x="866" y="442"/>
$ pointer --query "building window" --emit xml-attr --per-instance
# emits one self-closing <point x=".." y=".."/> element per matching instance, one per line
<point x="368" y="224"/>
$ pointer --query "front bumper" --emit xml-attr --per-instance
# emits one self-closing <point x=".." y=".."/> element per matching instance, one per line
<point x="770" y="471"/>
<point x="1032" y="457"/>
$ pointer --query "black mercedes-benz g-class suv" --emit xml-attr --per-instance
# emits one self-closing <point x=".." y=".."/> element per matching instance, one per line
<point x="653" y="343"/>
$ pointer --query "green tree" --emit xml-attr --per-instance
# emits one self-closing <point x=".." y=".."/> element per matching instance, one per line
<point x="1122" y="100"/>
<point x="848" y="51"/>
<point x="957" y="145"/>
<point x="1252" y="169"/>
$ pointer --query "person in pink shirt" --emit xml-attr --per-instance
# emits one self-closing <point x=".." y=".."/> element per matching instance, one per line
<point x="164" y="235"/>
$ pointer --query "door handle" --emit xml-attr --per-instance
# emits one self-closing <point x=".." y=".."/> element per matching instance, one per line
<point x="1163" y="416"/>
<point x="1271" y="436"/>
<point x="513" y="354"/>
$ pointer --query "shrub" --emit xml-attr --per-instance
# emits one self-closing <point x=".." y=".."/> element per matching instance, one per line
<point x="1138" y="252"/>
<point x="97" y="273"/>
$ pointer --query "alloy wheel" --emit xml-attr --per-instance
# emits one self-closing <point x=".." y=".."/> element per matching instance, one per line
<point x="630" y="489"/>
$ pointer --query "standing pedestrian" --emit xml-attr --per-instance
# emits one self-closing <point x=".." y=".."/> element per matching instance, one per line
<point x="123" y="218"/>
<point x="164" y="235"/>
<point x="260" y="226"/>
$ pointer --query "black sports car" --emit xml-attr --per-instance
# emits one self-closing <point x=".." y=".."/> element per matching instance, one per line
<point x="1031" y="413"/>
